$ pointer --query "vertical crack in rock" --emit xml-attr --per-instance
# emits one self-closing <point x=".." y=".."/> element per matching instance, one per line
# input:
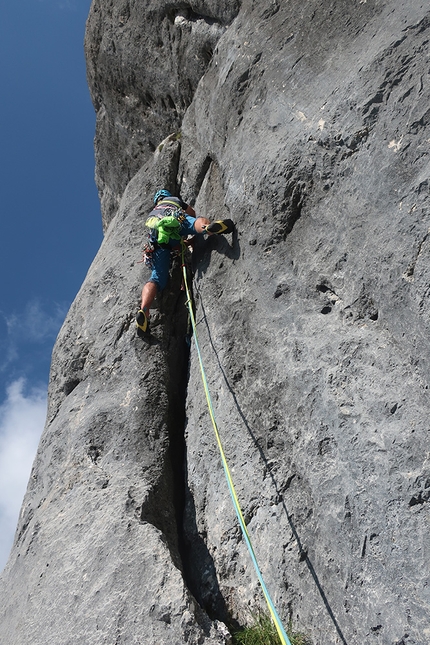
<point x="188" y="547"/>
<point x="199" y="567"/>
<point x="170" y="506"/>
<point x="163" y="507"/>
<point x="177" y="360"/>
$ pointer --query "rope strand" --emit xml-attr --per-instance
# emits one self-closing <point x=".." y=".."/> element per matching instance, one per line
<point x="276" y="620"/>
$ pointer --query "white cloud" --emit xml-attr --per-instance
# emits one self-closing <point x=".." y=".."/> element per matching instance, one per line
<point x="22" y="417"/>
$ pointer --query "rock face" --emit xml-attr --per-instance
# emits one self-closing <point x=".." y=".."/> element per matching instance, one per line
<point x="307" y="124"/>
<point x="144" y="65"/>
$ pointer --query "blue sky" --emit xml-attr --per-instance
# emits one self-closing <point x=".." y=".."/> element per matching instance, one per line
<point x="50" y="224"/>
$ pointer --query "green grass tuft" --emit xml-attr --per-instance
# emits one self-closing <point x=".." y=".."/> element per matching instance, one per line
<point x="263" y="632"/>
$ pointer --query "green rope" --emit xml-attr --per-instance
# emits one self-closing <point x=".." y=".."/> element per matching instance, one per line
<point x="277" y="621"/>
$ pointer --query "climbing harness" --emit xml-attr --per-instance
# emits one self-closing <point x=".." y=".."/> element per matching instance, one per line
<point x="277" y="621"/>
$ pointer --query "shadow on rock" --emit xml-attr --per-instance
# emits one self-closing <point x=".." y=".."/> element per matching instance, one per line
<point x="220" y="243"/>
<point x="199" y="567"/>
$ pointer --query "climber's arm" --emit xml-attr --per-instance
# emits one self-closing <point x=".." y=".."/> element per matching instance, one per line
<point x="190" y="211"/>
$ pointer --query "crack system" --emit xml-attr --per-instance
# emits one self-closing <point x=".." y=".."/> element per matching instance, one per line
<point x="172" y="507"/>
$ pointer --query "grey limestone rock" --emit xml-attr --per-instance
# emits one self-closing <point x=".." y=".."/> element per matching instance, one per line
<point x="96" y="555"/>
<point x="144" y="61"/>
<point x="307" y="124"/>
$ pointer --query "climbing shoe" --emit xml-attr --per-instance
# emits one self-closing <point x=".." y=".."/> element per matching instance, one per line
<point x="221" y="226"/>
<point x="142" y="322"/>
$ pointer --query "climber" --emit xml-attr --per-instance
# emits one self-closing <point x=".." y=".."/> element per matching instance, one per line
<point x="170" y="221"/>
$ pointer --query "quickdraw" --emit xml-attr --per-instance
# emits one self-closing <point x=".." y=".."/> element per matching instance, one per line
<point x="147" y="254"/>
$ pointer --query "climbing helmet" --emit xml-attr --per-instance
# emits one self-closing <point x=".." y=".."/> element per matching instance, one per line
<point x="160" y="194"/>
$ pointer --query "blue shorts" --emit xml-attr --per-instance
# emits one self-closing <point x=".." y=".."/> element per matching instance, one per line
<point x="161" y="255"/>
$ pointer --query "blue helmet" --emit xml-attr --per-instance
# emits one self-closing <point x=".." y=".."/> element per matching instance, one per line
<point x="161" y="193"/>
